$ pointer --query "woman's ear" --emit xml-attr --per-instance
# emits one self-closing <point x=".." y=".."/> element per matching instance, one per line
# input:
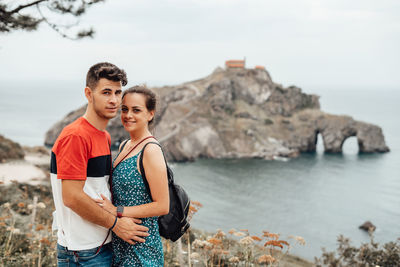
<point x="151" y="115"/>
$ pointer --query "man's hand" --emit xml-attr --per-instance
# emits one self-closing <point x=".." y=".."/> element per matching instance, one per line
<point x="128" y="230"/>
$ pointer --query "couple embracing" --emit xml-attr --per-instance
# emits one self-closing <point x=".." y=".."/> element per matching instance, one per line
<point x="95" y="196"/>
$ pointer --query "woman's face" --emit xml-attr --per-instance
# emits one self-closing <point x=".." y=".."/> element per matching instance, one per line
<point x="134" y="113"/>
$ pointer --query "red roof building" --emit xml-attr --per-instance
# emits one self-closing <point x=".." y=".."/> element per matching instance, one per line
<point x="235" y="64"/>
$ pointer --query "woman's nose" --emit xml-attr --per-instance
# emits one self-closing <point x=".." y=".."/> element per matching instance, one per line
<point x="129" y="114"/>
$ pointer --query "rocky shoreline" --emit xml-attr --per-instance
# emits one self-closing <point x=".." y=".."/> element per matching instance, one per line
<point x="242" y="113"/>
<point x="30" y="166"/>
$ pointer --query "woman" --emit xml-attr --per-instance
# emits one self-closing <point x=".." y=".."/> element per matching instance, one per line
<point x="130" y="196"/>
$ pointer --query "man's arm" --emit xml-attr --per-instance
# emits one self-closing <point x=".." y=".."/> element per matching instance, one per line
<point x="76" y="199"/>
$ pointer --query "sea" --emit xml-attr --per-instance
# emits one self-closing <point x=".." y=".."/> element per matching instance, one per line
<point x="316" y="196"/>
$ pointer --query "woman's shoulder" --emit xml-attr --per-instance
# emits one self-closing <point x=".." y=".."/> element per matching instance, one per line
<point x="153" y="151"/>
<point x="152" y="147"/>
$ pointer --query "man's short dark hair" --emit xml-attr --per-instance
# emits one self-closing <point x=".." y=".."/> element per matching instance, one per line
<point x="105" y="70"/>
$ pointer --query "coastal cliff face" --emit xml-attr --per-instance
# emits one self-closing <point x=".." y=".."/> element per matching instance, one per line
<point x="242" y="113"/>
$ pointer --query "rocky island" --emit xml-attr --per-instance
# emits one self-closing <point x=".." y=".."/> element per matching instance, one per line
<point x="242" y="113"/>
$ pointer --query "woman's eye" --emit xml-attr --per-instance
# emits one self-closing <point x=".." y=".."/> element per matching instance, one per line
<point x="136" y="110"/>
<point x="124" y="109"/>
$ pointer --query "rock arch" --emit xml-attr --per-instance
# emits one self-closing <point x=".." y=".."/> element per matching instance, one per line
<point x="336" y="129"/>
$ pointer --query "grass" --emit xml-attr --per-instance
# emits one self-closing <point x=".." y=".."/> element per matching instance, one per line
<point x="26" y="238"/>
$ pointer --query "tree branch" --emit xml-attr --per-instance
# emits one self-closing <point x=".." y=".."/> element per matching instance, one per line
<point x="25" y="6"/>
<point x="11" y="19"/>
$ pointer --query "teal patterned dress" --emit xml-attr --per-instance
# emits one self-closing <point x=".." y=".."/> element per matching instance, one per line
<point x="128" y="189"/>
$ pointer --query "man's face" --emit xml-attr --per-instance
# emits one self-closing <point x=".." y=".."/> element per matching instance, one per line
<point x="106" y="98"/>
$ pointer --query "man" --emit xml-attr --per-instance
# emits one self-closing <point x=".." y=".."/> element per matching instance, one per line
<point x="80" y="170"/>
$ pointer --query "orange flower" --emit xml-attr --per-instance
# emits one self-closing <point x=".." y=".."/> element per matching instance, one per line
<point x="273" y="243"/>
<point x="21" y="205"/>
<point x="192" y="208"/>
<point x="244" y="230"/>
<point x="196" y="203"/>
<point x="39" y="227"/>
<point x="256" y="238"/>
<point x="214" y="241"/>
<point x="45" y="241"/>
<point x="232" y="231"/>
<point x="283" y="242"/>
<point x="2" y="224"/>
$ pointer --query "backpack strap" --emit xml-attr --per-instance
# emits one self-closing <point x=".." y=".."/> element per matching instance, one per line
<point x="169" y="172"/>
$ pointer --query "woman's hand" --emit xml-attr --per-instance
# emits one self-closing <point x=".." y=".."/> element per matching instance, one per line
<point x="106" y="204"/>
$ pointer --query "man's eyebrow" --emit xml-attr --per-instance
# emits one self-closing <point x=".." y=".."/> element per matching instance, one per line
<point x="106" y="89"/>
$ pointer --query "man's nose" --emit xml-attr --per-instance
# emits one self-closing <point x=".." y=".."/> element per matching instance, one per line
<point x="114" y="99"/>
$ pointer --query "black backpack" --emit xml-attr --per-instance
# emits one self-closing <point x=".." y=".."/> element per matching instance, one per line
<point x="174" y="224"/>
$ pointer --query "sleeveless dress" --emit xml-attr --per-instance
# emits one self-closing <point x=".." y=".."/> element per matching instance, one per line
<point x="128" y="189"/>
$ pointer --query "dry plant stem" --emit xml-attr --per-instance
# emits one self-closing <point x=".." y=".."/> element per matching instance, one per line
<point x="283" y="255"/>
<point x="7" y="249"/>
<point x="35" y="200"/>
<point x="179" y="252"/>
<point x="40" y="254"/>
<point x="205" y="259"/>
<point x="188" y="245"/>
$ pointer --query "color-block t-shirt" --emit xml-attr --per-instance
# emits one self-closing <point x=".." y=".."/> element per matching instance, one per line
<point x="81" y="152"/>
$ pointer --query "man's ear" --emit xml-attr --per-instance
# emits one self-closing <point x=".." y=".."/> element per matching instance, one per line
<point x="88" y="94"/>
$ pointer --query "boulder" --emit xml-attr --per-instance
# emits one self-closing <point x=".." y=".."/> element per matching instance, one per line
<point x="367" y="226"/>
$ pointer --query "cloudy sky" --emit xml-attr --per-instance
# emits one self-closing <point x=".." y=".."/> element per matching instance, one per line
<point x="332" y="44"/>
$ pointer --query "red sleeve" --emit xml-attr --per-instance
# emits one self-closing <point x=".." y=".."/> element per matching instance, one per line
<point x="72" y="158"/>
<point x="108" y="138"/>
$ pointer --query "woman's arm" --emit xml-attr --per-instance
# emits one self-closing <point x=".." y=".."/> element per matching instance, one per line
<point x="156" y="174"/>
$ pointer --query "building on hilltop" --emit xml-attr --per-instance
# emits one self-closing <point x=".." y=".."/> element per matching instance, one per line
<point x="234" y="63"/>
<point x="240" y="64"/>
